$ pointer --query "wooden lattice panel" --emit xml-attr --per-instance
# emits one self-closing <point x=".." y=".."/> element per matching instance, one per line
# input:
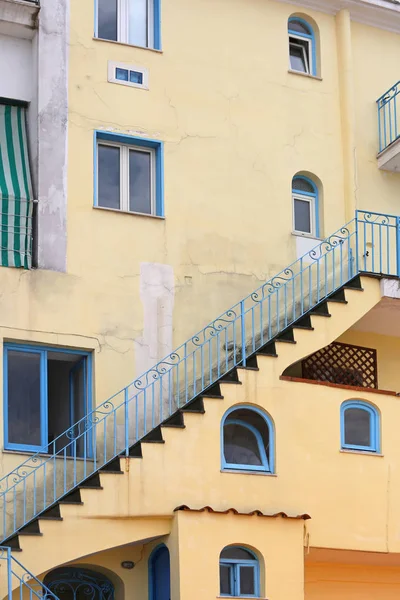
<point x="343" y="364"/>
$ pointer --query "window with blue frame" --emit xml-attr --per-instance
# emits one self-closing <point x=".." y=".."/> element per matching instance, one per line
<point x="46" y="391"/>
<point x="305" y="206"/>
<point x="247" y="440"/>
<point x="129" y="174"/>
<point x="135" y="22"/>
<point x="239" y="573"/>
<point x="302" y="50"/>
<point x="360" y="426"/>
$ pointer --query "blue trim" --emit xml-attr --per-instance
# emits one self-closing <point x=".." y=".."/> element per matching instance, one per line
<point x="157" y="24"/>
<point x="96" y="15"/>
<point x="122" y="138"/>
<point x="42" y="351"/>
<point x="268" y="465"/>
<point x="314" y="195"/>
<point x="235" y="565"/>
<point x="310" y="36"/>
<point x="150" y="564"/>
<point x="374" y="425"/>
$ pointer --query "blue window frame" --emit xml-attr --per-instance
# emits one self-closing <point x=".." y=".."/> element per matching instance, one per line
<point x="302" y="49"/>
<point x="239" y="573"/>
<point x="247" y="440"/>
<point x="46" y="391"/>
<point x="136" y="22"/>
<point x="128" y="174"/>
<point x="305" y="206"/>
<point x="360" y="426"/>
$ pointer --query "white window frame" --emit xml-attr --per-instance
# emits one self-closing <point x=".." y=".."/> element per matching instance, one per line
<point x="123" y="23"/>
<point x="311" y="201"/>
<point x="308" y="58"/>
<point x="112" y="74"/>
<point x="124" y="177"/>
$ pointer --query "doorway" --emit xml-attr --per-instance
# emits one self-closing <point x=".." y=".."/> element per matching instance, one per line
<point x="159" y="574"/>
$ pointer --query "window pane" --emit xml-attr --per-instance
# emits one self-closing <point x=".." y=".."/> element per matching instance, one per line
<point x="302" y="216"/>
<point x="107" y="19"/>
<point x="136" y="77"/>
<point x="240" y="446"/>
<point x="138" y="19"/>
<point x="297" y="58"/>
<point x="302" y="185"/>
<point x="109" y="177"/>
<point x="121" y="74"/>
<point x="357" y="427"/>
<point x="24" y="398"/>
<point x="236" y="553"/>
<point x="247" y="581"/>
<point x="140" y="181"/>
<point x="298" y="27"/>
<point x="225" y="580"/>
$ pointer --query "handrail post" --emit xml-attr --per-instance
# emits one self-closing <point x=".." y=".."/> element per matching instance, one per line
<point x="243" y="330"/>
<point x="9" y="574"/>
<point x="357" y="243"/>
<point x="126" y="410"/>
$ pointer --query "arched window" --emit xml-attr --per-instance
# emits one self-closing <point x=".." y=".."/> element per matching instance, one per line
<point x="159" y="574"/>
<point x="74" y="583"/>
<point x="247" y="440"/>
<point x="305" y="206"/>
<point x="360" y="426"/>
<point x="302" y="52"/>
<point x="239" y="573"/>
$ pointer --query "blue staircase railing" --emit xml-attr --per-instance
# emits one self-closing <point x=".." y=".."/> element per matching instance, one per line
<point x="368" y="243"/>
<point x="14" y="577"/>
<point x="388" y="117"/>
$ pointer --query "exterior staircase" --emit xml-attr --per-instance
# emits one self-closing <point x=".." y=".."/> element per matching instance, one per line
<point x="273" y="327"/>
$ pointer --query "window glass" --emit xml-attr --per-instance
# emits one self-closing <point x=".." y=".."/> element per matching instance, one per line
<point x="138" y="22"/>
<point x="136" y="77"/>
<point x="236" y="553"/>
<point x="302" y="185"/>
<point x="298" y="26"/>
<point x="302" y="215"/>
<point x="108" y="19"/>
<point x="357" y="427"/>
<point x="140" y="181"/>
<point x="240" y="446"/>
<point x="299" y="56"/>
<point x="225" y="578"/>
<point x="109" y="176"/>
<point x="24" y="414"/>
<point x="247" y="580"/>
<point x="121" y="74"/>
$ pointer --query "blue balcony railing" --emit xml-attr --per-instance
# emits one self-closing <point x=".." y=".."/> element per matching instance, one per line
<point x="369" y="243"/>
<point x="388" y="117"/>
<point x="16" y="577"/>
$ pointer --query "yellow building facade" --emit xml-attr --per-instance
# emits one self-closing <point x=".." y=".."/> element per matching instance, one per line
<point x="162" y="162"/>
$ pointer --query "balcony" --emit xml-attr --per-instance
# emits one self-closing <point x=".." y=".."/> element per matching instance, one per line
<point x="389" y="130"/>
<point x="18" y="18"/>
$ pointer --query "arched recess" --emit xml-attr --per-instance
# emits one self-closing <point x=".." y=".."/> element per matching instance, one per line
<point x="79" y="583"/>
<point x="307" y="190"/>
<point x="302" y="27"/>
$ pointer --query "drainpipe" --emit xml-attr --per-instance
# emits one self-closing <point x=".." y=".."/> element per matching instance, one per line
<point x="347" y="111"/>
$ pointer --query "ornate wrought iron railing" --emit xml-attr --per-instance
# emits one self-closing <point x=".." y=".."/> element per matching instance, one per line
<point x="368" y="243"/>
<point x="16" y="577"/>
<point x="388" y="117"/>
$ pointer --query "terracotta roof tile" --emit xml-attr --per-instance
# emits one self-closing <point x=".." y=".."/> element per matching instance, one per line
<point x="234" y="511"/>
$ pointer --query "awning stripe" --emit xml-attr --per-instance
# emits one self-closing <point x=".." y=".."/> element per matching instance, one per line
<point x="15" y="189"/>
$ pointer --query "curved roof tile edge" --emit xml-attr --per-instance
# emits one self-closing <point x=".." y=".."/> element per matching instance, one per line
<point x="256" y="512"/>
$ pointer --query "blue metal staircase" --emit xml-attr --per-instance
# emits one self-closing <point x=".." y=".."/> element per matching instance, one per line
<point x="367" y="244"/>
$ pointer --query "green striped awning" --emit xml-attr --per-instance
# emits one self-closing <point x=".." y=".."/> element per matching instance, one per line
<point x="16" y="200"/>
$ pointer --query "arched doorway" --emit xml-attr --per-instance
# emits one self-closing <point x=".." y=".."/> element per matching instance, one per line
<point x="159" y="574"/>
<point x="75" y="583"/>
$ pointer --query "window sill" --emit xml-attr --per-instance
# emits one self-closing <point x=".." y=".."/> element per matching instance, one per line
<point x="307" y="235"/>
<point x="244" y="472"/>
<point x="305" y="75"/>
<point x="97" y="39"/>
<point x="127" y="212"/>
<point x="45" y="455"/>
<point x="363" y="452"/>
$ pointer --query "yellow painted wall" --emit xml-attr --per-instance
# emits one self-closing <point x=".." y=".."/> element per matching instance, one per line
<point x="351" y="582"/>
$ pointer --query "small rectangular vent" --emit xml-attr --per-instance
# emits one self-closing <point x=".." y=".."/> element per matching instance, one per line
<point x="128" y="75"/>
